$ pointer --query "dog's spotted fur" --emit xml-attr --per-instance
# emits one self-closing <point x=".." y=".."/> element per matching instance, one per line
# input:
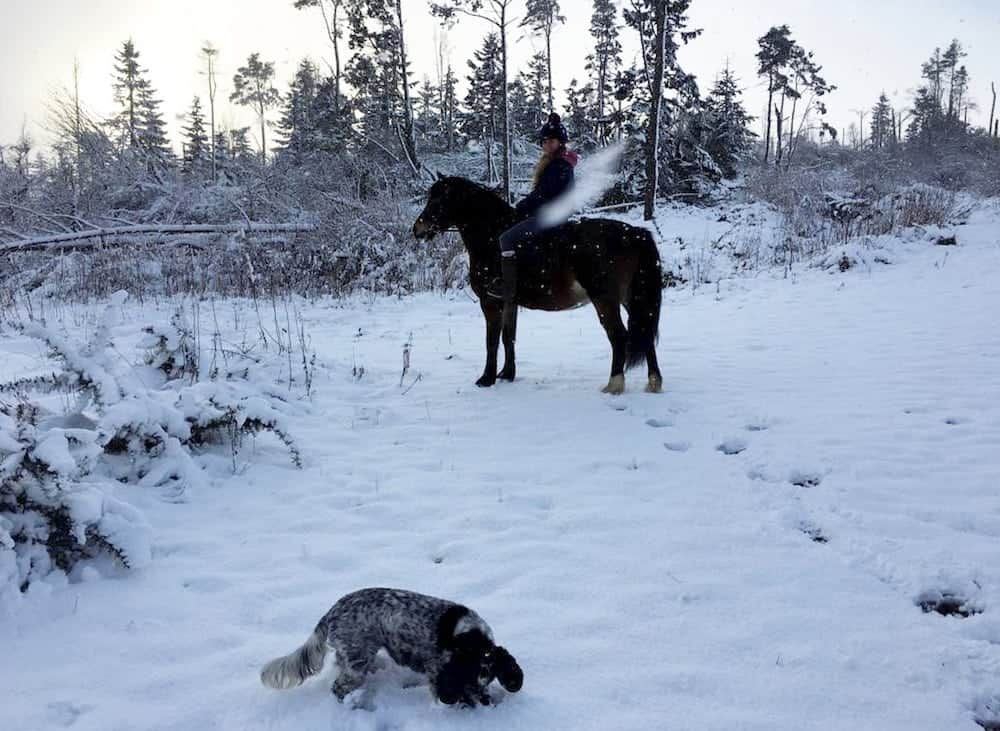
<point x="447" y="642"/>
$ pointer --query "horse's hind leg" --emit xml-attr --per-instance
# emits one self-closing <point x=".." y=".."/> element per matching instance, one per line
<point x="655" y="384"/>
<point x="609" y="313"/>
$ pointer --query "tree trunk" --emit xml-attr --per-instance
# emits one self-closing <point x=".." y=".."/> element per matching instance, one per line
<point x="548" y="63"/>
<point x="767" y="135"/>
<point x="653" y="137"/>
<point x="505" y="115"/>
<point x="779" y="122"/>
<point x="993" y="107"/>
<point x="210" y="57"/>
<point x="410" y="145"/>
<point x="263" y="138"/>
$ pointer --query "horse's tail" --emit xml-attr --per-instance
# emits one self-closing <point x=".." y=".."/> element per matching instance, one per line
<point x="293" y="669"/>
<point x="644" y="300"/>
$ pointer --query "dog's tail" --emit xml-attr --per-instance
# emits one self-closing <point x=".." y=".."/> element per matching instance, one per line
<point x="292" y="670"/>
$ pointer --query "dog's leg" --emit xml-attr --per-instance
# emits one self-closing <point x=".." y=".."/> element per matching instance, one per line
<point x="351" y="673"/>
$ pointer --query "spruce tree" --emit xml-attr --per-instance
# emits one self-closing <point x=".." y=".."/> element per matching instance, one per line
<point x="196" y="151"/>
<point x="728" y="138"/>
<point x="605" y="60"/>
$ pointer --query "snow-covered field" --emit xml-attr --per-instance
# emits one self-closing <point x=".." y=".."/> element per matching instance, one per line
<point x="746" y="551"/>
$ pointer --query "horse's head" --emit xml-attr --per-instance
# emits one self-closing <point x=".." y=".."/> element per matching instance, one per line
<point x="455" y="202"/>
<point x="439" y="213"/>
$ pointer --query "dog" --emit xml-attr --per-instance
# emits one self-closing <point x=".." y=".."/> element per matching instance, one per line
<point x="448" y="643"/>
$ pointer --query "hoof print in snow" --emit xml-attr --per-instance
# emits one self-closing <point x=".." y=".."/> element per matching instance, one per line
<point x="805" y="479"/>
<point x="732" y="446"/>
<point x="659" y="423"/>
<point x="948" y="604"/>
<point x="677" y="446"/>
<point x="987" y="713"/>
<point x="757" y="427"/>
<point x="438" y="559"/>
<point x="814" y="533"/>
<point x="954" y="421"/>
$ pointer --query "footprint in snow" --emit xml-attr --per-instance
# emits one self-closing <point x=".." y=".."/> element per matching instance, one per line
<point x="986" y="713"/>
<point x="803" y="478"/>
<point x="947" y="604"/>
<point x="677" y="446"/>
<point x="659" y="423"/>
<point x="814" y="532"/>
<point x="733" y="446"/>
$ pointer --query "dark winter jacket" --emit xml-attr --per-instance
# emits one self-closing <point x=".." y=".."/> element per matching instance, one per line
<point x="556" y="179"/>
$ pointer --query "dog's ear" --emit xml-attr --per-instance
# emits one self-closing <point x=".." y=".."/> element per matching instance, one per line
<point x="449" y="686"/>
<point x="508" y="672"/>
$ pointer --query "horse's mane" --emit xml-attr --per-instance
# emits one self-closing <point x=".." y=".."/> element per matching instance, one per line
<point x="482" y="190"/>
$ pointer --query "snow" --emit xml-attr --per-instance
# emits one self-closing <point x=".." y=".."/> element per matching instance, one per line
<point x="747" y="550"/>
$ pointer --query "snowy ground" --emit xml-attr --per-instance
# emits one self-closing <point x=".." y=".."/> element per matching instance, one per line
<point x="746" y="551"/>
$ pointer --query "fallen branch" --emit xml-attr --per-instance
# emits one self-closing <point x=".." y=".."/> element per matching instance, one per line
<point x="115" y="234"/>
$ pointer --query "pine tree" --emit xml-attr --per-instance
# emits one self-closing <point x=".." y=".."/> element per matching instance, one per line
<point x="297" y="128"/>
<point x="776" y="50"/>
<point x="605" y="61"/>
<point x="483" y="117"/>
<point x="536" y="82"/>
<point x="196" y="152"/>
<point x="728" y="138"/>
<point x="129" y="81"/>
<point x="542" y="16"/>
<point x="578" y="118"/>
<point x="882" y="127"/>
<point x="252" y="87"/>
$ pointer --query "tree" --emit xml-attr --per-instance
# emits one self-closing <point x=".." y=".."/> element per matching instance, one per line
<point x="653" y="136"/>
<point x="496" y="13"/>
<point x="129" y="81"/>
<point x="728" y="135"/>
<point x="195" y="141"/>
<point x="578" y="117"/>
<point x="297" y="127"/>
<point x="775" y="54"/>
<point x="883" y="132"/>
<point x="208" y="54"/>
<point x="252" y="88"/>
<point x="542" y="16"/>
<point x="605" y="59"/>
<point x="483" y="118"/>
<point x="331" y="11"/>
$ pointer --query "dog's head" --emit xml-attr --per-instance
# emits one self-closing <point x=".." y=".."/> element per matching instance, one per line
<point x="474" y="663"/>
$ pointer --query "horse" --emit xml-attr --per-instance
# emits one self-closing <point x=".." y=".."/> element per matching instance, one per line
<point x="606" y="262"/>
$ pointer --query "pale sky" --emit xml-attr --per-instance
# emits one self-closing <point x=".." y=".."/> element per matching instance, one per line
<point x="865" y="46"/>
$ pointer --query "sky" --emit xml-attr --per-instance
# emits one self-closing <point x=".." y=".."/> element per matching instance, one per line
<point x="865" y="47"/>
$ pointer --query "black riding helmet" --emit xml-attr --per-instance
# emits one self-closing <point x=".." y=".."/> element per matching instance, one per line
<point x="554" y="129"/>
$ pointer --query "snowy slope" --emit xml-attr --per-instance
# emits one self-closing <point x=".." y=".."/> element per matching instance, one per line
<point x="650" y="560"/>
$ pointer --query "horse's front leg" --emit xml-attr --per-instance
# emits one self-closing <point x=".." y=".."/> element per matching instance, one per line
<point x="509" y="321"/>
<point x="493" y="313"/>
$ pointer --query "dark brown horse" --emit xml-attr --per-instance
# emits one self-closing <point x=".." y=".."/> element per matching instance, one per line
<point x="606" y="262"/>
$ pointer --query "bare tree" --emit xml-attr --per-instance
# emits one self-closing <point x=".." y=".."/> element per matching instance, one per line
<point x="497" y="14"/>
<point x="208" y="53"/>
<point x="331" y="12"/>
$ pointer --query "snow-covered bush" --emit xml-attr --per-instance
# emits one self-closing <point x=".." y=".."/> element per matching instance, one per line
<point x="54" y="511"/>
<point x="126" y="424"/>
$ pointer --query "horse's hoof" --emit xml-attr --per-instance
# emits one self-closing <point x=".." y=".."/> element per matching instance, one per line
<point x="615" y="387"/>
<point x="506" y="376"/>
<point x="655" y="385"/>
<point x="485" y="382"/>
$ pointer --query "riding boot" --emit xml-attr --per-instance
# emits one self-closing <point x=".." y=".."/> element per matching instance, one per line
<point x="508" y="268"/>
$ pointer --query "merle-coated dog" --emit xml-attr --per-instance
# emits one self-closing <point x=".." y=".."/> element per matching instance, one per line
<point x="447" y="642"/>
